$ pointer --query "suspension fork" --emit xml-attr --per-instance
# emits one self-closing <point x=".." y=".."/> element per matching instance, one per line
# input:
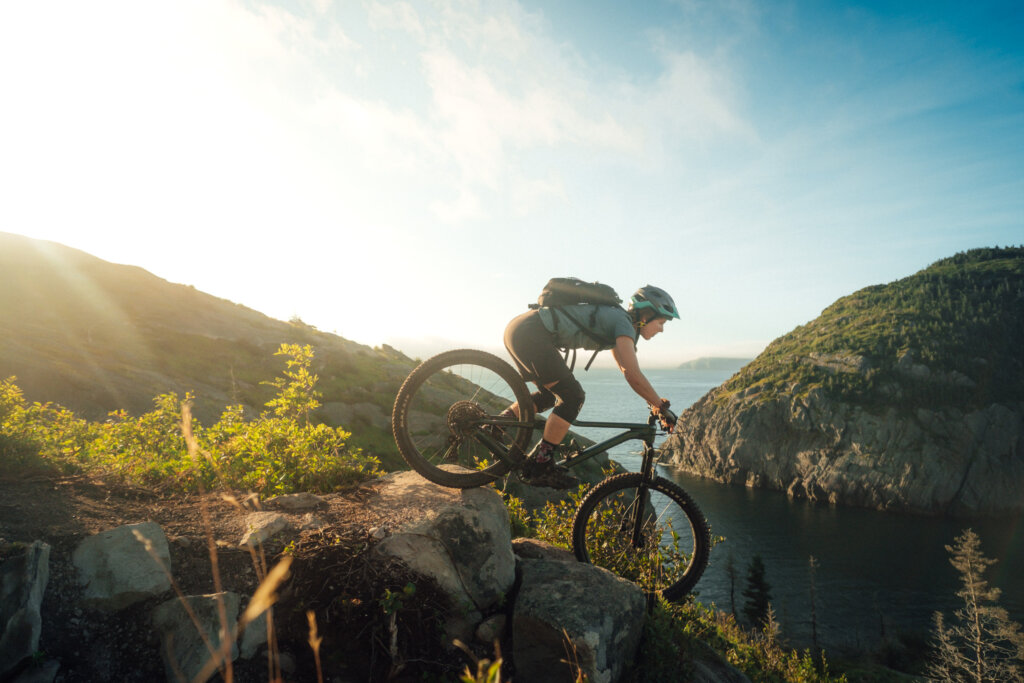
<point x="643" y="495"/>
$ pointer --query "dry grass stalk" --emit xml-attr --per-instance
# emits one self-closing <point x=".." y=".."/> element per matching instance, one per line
<point x="148" y="545"/>
<point x="573" y="658"/>
<point x="223" y="655"/>
<point x="486" y="670"/>
<point x="314" y="643"/>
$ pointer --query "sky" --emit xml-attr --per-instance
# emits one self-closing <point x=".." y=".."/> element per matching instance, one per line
<point x="412" y="173"/>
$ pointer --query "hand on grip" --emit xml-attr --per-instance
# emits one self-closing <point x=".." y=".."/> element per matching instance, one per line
<point x="666" y="417"/>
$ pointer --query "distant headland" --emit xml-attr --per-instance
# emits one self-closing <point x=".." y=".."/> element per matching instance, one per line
<point x="714" y="363"/>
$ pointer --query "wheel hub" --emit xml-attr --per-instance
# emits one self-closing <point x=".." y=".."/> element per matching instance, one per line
<point x="462" y="417"/>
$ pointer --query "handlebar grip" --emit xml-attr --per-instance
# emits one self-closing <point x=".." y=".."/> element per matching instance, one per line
<point x="665" y="416"/>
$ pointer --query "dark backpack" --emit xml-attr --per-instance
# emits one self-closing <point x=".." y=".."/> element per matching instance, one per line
<point x="562" y="293"/>
<point x="568" y="291"/>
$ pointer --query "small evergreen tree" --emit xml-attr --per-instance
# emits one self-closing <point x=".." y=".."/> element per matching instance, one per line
<point x="757" y="593"/>
<point x="813" y="566"/>
<point x="733" y="574"/>
<point x="982" y="645"/>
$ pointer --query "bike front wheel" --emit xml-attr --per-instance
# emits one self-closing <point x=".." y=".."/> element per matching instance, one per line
<point x="447" y="423"/>
<point x="651" y="533"/>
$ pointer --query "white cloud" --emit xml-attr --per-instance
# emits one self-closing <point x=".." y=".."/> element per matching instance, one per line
<point x="466" y="206"/>
<point x="400" y="16"/>
<point x="691" y="101"/>
<point x="240" y="129"/>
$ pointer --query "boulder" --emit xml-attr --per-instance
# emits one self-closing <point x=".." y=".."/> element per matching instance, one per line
<point x="533" y="549"/>
<point x="261" y="526"/>
<point x="571" y="615"/>
<point x="185" y="646"/>
<point x="296" y="502"/>
<point x="23" y="581"/>
<point x="458" y="539"/>
<point x="122" y="566"/>
<point x="253" y="637"/>
<point x="491" y="629"/>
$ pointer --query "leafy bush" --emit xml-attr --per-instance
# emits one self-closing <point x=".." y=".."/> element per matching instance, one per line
<point x="278" y="452"/>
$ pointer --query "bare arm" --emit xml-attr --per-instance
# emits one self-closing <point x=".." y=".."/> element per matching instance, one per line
<point x="625" y="356"/>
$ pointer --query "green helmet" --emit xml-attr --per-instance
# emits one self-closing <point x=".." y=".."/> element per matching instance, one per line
<point x="656" y="299"/>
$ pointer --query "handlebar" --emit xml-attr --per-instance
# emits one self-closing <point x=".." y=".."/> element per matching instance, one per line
<point x="665" y="416"/>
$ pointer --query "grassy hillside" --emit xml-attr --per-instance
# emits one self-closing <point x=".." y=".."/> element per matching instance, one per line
<point x="96" y="337"/>
<point x="949" y="335"/>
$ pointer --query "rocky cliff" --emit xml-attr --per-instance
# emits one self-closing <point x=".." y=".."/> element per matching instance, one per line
<point x="907" y="396"/>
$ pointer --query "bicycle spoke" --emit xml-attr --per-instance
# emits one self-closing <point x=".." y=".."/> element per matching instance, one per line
<point x="446" y="415"/>
<point x="643" y="534"/>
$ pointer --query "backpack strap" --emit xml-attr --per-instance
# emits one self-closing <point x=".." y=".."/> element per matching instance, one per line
<point x="584" y="329"/>
<point x="570" y="352"/>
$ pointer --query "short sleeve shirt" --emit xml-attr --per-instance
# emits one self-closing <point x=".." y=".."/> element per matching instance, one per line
<point x="608" y="323"/>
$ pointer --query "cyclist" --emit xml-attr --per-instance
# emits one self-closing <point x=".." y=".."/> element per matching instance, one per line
<point x="535" y="341"/>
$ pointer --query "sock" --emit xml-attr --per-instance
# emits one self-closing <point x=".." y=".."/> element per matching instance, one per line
<point x="544" y="450"/>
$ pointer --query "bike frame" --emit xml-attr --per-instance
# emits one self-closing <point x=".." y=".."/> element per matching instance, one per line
<point x="642" y="431"/>
<point x="634" y="430"/>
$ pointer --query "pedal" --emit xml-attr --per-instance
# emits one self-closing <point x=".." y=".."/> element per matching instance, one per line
<point x="571" y="451"/>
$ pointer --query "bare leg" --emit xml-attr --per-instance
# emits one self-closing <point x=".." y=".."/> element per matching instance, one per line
<point x="555" y="429"/>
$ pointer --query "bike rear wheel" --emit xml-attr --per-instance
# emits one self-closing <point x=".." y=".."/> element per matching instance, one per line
<point x="446" y="423"/>
<point x="652" y="534"/>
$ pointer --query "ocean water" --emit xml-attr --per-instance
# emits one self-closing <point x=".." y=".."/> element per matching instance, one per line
<point x="878" y="573"/>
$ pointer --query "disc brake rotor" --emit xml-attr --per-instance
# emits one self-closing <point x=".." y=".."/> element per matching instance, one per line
<point x="463" y="416"/>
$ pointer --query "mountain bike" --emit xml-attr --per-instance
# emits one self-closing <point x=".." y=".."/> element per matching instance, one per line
<point x="448" y="426"/>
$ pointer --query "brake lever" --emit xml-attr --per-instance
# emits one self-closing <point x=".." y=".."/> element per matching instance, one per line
<point x="668" y="420"/>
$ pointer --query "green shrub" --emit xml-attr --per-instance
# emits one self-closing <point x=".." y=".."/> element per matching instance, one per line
<point x="278" y="452"/>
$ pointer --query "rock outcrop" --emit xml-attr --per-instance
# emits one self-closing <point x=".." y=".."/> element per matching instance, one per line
<point x="453" y="546"/>
<point x="570" y="615"/>
<point x="924" y="461"/>
<point x="459" y="539"/>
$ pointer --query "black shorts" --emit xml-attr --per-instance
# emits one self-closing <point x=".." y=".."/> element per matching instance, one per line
<point x="533" y="349"/>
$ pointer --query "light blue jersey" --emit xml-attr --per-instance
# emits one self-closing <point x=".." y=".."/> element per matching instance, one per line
<point x="606" y="323"/>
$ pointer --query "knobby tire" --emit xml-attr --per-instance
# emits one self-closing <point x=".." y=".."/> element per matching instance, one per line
<point x="665" y="563"/>
<point x="434" y="415"/>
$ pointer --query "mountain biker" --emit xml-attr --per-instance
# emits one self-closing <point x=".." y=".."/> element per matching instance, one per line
<point x="535" y="341"/>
